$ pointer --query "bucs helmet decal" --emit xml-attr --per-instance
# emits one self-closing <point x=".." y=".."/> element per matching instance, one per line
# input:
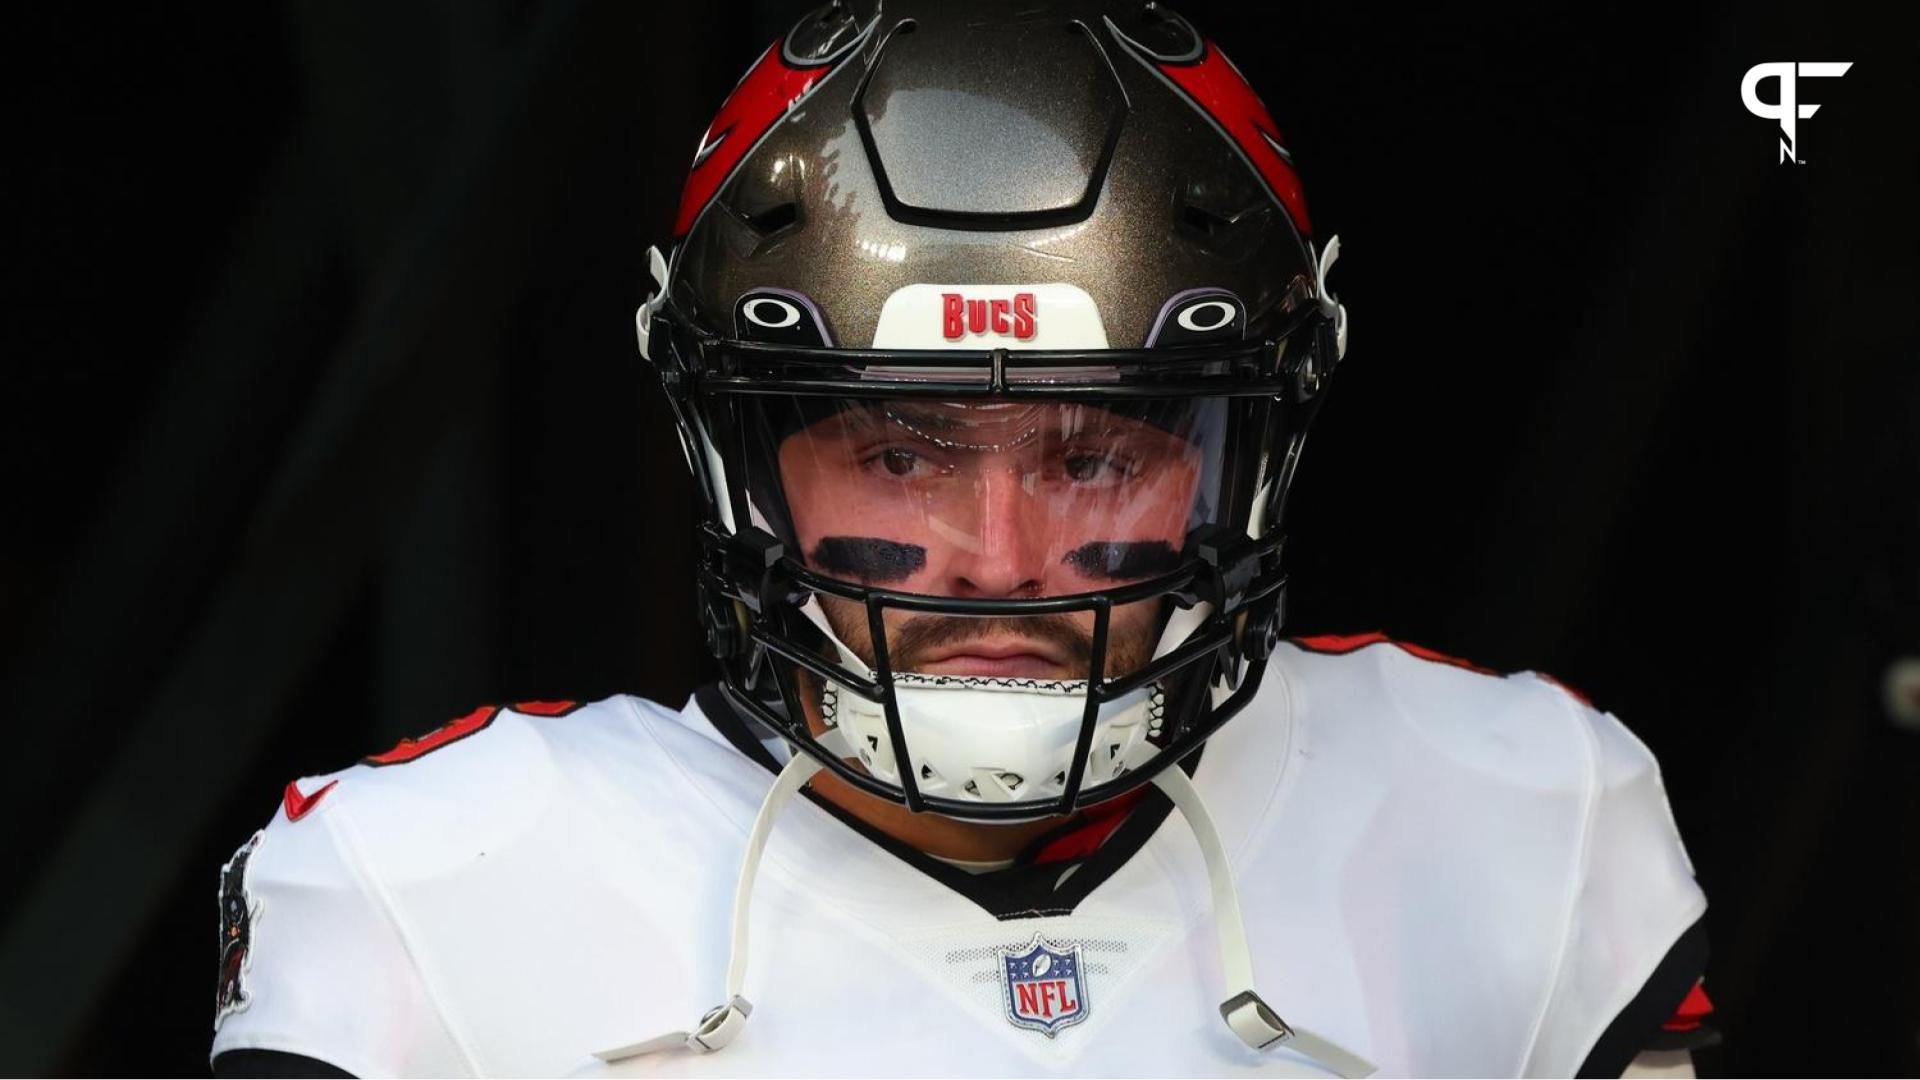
<point x="774" y="86"/>
<point x="1218" y="90"/>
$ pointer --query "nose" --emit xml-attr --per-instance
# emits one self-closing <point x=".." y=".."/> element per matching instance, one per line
<point x="1011" y="526"/>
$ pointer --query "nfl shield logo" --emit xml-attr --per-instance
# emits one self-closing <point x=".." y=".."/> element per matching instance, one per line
<point x="1044" y="989"/>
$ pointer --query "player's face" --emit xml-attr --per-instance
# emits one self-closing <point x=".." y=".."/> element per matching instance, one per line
<point x="1004" y="500"/>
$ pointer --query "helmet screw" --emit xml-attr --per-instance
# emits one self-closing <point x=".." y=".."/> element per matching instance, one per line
<point x="1262" y="635"/>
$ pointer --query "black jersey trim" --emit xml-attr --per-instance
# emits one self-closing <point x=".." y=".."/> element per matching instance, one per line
<point x="276" y="1064"/>
<point x="1638" y="1027"/>
<point x="1025" y="890"/>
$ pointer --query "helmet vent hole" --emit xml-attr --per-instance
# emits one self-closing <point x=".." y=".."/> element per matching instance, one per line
<point x="1204" y="222"/>
<point x="775" y="218"/>
<point x="1060" y="778"/>
<point x="873" y="742"/>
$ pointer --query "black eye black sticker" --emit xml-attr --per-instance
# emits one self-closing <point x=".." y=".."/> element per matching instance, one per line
<point x="779" y="317"/>
<point x="1197" y="316"/>
<point x="868" y="558"/>
<point x="1123" y="559"/>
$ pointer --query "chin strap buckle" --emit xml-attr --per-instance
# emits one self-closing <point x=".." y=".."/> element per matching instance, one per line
<point x="720" y="1025"/>
<point x="1261" y="1028"/>
<point x="1257" y="1025"/>
<point x="715" y="1031"/>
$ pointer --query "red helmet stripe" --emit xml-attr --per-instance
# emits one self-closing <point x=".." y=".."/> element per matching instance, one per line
<point x="1214" y="85"/>
<point x="769" y="89"/>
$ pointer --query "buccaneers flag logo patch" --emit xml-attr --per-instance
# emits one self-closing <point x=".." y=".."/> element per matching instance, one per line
<point x="237" y="911"/>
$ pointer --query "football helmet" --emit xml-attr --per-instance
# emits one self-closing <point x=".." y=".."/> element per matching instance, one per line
<point x="992" y="335"/>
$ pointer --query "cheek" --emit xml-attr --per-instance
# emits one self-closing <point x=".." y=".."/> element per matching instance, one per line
<point x="830" y="494"/>
<point x="1163" y="509"/>
<point x="1135" y="619"/>
<point x="1155" y="507"/>
<point x="849" y="622"/>
<point x="1134" y="634"/>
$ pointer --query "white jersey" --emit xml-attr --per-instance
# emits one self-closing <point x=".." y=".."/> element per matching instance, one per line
<point x="1445" y="871"/>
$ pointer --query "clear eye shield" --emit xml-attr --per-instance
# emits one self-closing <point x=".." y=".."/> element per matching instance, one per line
<point x="993" y="584"/>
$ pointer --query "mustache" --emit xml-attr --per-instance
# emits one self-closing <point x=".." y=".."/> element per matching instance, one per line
<point x="911" y="641"/>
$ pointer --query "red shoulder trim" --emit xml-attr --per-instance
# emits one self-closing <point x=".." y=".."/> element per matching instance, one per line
<point x="1345" y="643"/>
<point x="545" y="708"/>
<point x="298" y="805"/>
<point x="1575" y="691"/>
<point x="1338" y="644"/>
<point x="1692" y="1012"/>
<point x="460" y="727"/>
<point x="452" y="731"/>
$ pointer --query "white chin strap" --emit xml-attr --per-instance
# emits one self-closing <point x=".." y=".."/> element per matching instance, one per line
<point x="1257" y="1025"/>
<point x="1245" y="1012"/>
<point x="721" y="1023"/>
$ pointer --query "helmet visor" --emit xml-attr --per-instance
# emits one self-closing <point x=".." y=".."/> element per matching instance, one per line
<point x="990" y="500"/>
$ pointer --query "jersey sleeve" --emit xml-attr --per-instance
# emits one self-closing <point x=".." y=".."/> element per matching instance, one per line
<point x="1634" y="945"/>
<point x="311" y="962"/>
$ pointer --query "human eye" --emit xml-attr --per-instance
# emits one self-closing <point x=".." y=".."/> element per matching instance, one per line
<point x="896" y="461"/>
<point x="1096" y="468"/>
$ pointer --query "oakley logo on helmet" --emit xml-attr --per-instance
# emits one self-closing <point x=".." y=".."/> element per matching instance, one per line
<point x="779" y="317"/>
<point x="1194" y="316"/>
<point x="1214" y="313"/>
<point x="1788" y="111"/>
<point x="770" y="312"/>
<point x="960" y="316"/>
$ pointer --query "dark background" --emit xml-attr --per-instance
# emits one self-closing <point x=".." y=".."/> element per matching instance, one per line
<point x="323" y="422"/>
